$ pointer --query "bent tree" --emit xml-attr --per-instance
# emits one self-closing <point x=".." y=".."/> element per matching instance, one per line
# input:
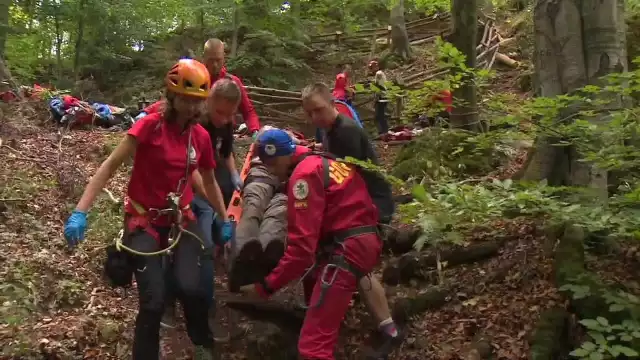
<point x="576" y="43"/>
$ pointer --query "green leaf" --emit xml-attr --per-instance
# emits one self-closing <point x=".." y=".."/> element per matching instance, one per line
<point x="597" y="337"/>
<point x="625" y="350"/>
<point x="588" y="345"/>
<point x="602" y="321"/>
<point x="596" y="356"/>
<point x="579" y="353"/>
<point x="590" y="324"/>
<point x="420" y="193"/>
<point x="616" y="307"/>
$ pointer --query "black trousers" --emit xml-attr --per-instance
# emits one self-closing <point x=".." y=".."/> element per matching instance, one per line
<point x="159" y="275"/>
<point x="381" y="117"/>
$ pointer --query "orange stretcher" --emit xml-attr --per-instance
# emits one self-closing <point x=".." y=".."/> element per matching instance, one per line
<point x="234" y="211"/>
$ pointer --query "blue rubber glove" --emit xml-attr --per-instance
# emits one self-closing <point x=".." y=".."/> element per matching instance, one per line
<point x="236" y="181"/>
<point x="227" y="231"/>
<point x="141" y="115"/>
<point x="75" y="227"/>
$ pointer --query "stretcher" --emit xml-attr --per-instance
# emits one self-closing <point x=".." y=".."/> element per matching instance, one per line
<point x="234" y="210"/>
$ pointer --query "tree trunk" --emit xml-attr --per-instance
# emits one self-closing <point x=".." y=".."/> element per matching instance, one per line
<point x="58" y="31"/>
<point x="399" y="36"/>
<point x="577" y="42"/>
<point x="4" y="24"/>
<point x="201" y="22"/>
<point x="465" y="38"/>
<point x="236" y="29"/>
<point x="80" y="37"/>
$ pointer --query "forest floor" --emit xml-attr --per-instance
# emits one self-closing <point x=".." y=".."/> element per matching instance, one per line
<point x="54" y="303"/>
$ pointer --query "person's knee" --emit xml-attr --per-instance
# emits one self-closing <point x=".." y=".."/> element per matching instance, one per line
<point x="152" y="291"/>
<point x="188" y="260"/>
<point x="149" y="273"/>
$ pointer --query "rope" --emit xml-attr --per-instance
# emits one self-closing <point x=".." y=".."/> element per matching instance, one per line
<point x="120" y="246"/>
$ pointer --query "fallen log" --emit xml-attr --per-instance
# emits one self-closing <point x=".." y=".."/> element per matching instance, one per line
<point x="400" y="241"/>
<point x="414" y="265"/>
<point x="548" y="341"/>
<point x="405" y="308"/>
<point x="504" y="59"/>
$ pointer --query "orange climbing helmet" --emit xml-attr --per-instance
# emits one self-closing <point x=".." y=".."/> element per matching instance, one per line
<point x="189" y="77"/>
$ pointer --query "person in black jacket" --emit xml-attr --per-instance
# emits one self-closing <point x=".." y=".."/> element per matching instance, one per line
<point x="345" y="138"/>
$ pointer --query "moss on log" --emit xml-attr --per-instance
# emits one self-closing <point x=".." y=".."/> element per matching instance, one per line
<point x="548" y="341"/>
<point x="413" y="265"/>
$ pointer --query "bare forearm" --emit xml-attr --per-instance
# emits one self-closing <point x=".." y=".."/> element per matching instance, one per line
<point x="125" y="149"/>
<point x="95" y="186"/>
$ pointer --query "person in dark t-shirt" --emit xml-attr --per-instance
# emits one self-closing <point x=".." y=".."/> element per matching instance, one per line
<point x="344" y="137"/>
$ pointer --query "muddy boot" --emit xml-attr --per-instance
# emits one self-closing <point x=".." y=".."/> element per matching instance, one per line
<point x="203" y="353"/>
<point x="169" y="316"/>
<point x="387" y="345"/>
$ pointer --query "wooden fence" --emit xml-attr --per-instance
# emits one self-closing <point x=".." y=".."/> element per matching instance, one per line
<point x="285" y="106"/>
<point x="419" y="31"/>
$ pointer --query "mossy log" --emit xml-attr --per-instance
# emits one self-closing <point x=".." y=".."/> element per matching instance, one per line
<point x="550" y="337"/>
<point x="414" y="265"/>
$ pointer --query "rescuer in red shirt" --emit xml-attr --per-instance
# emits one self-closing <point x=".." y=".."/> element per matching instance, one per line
<point x="332" y="239"/>
<point x="214" y="59"/>
<point x="167" y="149"/>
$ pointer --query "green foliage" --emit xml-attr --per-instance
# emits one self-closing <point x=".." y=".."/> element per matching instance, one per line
<point x="609" y="341"/>
<point x="450" y="154"/>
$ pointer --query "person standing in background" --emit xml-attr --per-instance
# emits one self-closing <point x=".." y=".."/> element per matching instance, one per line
<point x="214" y="60"/>
<point x="381" y="101"/>
<point x="342" y="91"/>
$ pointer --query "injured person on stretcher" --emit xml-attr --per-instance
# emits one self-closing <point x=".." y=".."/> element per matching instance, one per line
<point x="261" y="233"/>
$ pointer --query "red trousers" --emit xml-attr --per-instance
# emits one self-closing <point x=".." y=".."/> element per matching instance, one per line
<point x="319" y="333"/>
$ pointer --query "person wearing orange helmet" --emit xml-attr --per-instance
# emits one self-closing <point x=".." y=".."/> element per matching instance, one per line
<point x="161" y="238"/>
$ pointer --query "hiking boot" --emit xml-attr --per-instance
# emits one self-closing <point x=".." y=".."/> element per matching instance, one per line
<point x="169" y="317"/>
<point x="388" y="344"/>
<point x="203" y="353"/>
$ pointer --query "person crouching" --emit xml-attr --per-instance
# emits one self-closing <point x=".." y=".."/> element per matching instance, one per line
<point x="332" y="229"/>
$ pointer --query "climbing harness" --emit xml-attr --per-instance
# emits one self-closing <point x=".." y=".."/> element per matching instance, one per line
<point x="336" y="262"/>
<point x="119" y="266"/>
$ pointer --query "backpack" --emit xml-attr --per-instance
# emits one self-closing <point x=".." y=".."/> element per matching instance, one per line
<point x="348" y="110"/>
<point x="382" y="216"/>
